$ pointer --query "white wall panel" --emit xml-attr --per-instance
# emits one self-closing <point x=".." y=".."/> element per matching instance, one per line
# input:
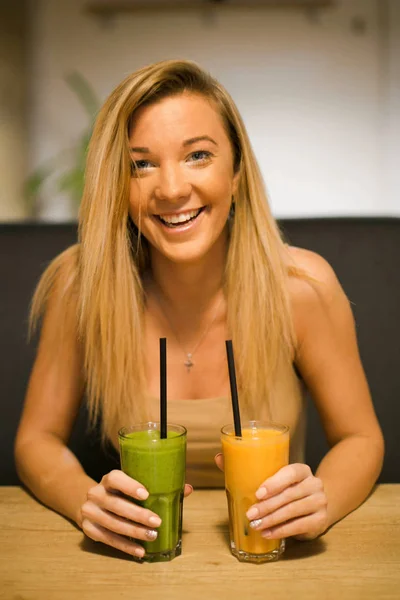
<point x="308" y="86"/>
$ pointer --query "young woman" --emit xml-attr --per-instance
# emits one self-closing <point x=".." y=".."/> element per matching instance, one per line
<point x="176" y="239"/>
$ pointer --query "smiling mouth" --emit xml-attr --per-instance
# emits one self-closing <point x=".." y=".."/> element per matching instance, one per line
<point x="180" y="219"/>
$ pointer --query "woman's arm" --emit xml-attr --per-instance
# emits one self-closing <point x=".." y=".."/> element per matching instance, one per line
<point x="294" y="501"/>
<point x="44" y="463"/>
<point x="329" y="361"/>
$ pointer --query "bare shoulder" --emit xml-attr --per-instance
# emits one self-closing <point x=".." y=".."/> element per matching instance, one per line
<point x="312" y="264"/>
<point x="61" y="275"/>
<point x="314" y="290"/>
<point x="57" y="289"/>
<point x="66" y="265"/>
<point x="315" y="278"/>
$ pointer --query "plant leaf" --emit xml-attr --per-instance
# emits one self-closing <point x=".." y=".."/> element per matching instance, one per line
<point x="72" y="182"/>
<point x="85" y="93"/>
<point x="35" y="181"/>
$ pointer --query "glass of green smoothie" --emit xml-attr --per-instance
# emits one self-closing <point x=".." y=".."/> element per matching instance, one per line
<point x="158" y="464"/>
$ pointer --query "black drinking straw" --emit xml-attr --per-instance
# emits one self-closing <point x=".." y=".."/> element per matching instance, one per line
<point x="163" y="388"/>
<point x="234" y="393"/>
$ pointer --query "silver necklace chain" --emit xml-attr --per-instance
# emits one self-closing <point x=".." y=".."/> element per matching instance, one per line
<point x="189" y="355"/>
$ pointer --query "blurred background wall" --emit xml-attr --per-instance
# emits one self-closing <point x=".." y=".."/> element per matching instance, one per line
<point x="14" y="141"/>
<point x="319" y="92"/>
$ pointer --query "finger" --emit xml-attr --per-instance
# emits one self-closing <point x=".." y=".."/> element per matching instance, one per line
<point x="219" y="461"/>
<point x="285" y="477"/>
<point x="111" y="522"/>
<point x="120" y="482"/>
<point x="121" y="506"/>
<point x="300" y="508"/>
<point x="99" y="534"/>
<point x="188" y="490"/>
<point x="307" y="487"/>
<point x="309" y="526"/>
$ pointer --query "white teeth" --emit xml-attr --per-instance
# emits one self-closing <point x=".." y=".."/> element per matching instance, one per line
<point x="181" y="218"/>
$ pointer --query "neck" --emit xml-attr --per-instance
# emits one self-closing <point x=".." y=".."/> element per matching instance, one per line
<point x="189" y="289"/>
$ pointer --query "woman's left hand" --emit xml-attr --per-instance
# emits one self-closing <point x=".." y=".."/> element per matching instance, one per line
<point x="292" y="503"/>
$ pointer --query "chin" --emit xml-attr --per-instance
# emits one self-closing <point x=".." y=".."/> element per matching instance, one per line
<point x="193" y="251"/>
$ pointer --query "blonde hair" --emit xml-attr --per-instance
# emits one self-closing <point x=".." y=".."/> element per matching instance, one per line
<point x="109" y="258"/>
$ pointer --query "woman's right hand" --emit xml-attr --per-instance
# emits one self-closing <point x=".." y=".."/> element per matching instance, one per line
<point x="109" y="517"/>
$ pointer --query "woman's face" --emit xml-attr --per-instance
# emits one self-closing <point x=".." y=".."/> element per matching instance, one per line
<point x="181" y="195"/>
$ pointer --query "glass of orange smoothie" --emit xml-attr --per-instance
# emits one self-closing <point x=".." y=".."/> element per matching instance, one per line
<point x="249" y="460"/>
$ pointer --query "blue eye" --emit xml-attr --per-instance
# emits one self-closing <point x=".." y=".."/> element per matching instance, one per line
<point x="141" y="164"/>
<point x="200" y="155"/>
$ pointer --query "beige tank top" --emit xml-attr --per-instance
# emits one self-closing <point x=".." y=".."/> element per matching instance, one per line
<point x="204" y="419"/>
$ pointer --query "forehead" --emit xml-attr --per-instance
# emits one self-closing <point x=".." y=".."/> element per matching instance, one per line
<point x="183" y="116"/>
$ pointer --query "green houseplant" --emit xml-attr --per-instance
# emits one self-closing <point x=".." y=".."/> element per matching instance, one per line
<point x="68" y="167"/>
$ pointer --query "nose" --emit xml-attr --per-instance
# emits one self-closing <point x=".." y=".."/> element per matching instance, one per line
<point x="173" y="184"/>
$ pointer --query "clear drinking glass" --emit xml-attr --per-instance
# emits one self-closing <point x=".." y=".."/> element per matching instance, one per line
<point x="249" y="460"/>
<point x="159" y="465"/>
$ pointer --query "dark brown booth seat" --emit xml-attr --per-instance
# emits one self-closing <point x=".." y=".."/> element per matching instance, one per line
<point x="363" y="251"/>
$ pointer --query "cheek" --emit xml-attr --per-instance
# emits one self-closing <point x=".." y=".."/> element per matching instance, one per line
<point x="219" y="186"/>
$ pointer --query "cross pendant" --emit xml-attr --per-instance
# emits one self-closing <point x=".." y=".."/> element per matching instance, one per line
<point x="188" y="362"/>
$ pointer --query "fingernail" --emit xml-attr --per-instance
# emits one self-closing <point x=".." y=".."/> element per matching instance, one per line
<point x="252" y="513"/>
<point x="191" y="487"/>
<point x="156" y="521"/>
<point x="139" y="552"/>
<point x="255" y="524"/>
<point x="142" y="493"/>
<point x="261" y="493"/>
<point x="151" y="534"/>
<point x="266" y="533"/>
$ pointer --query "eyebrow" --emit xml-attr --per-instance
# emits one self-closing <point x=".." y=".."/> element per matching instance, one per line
<point x="189" y="142"/>
<point x="199" y="138"/>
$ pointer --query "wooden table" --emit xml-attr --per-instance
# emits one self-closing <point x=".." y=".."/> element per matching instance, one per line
<point x="44" y="557"/>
